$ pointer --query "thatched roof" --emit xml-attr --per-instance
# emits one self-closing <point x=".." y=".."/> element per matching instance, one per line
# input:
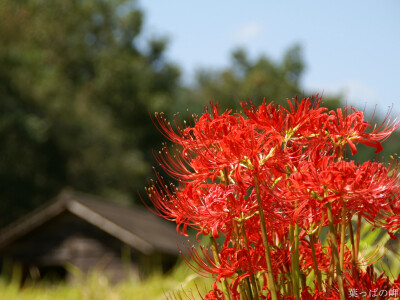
<point x="136" y="227"/>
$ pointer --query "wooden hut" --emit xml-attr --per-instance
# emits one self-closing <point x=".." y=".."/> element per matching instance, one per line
<point x="86" y="232"/>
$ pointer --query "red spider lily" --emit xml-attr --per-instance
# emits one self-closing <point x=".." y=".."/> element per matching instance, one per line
<point x="234" y="262"/>
<point x="301" y="124"/>
<point x="323" y="254"/>
<point x="369" y="189"/>
<point x="267" y="179"/>
<point x="212" y="145"/>
<point x="229" y="268"/>
<point x="216" y="294"/>
<point x="352" y="128"/>
<point x="206" y="207"/>
<point x="371" y="283"/>
<point x="392" y="224"/>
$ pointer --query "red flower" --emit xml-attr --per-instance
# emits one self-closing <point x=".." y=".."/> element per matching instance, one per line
<point x="277" y="169"/>
<point x="352" y="128"/>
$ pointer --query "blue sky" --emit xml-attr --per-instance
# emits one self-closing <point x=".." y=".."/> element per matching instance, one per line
<point x="349" y="47"/>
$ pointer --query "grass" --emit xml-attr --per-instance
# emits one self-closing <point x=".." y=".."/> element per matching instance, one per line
<point x="179" y="281"/>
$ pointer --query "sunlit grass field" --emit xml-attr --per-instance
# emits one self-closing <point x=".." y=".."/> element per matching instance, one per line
<point x="95" y="286"/>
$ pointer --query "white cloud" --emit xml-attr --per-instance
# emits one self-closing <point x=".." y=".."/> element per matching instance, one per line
<point x="247" y="32"/>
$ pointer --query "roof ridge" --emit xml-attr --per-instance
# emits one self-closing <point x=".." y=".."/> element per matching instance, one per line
<point x="91" y="216"/>
<point x="134" y="226"/>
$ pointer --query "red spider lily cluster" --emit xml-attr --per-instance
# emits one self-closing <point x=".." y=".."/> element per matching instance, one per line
<point x="264" y="184"/>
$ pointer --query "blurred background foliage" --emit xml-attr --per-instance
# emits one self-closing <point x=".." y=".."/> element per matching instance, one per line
<point x="78" y="82"/>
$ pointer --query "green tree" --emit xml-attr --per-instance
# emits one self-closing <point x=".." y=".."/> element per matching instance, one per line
<point x="75" y="95"/>
<point x="252" y="79"/>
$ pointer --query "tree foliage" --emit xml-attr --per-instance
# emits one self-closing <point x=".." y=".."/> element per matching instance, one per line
<point x="254" y="79"/>
<point x="75" y="92"/>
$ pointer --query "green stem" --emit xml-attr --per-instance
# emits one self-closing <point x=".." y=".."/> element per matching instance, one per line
<point x="214" y="248"/>
<point x="353" y="251"/>
<point x="331" y="274"/>
<point x="234" y="240"/>
<point x="358" y="234"/>
<point x="292" y="273"/>
<point x="271" y="281"/>
<point x="296" y="263"/>
<point x="248" y="289"/>
<point x="288" y="289"/>
<point x="342" y="236"/>
<point x="226" y="177"/>
<point x="236" y="243"/>
<point x="316" y="270"/>
<point x="339" y="275"/>
<point x="252" y="277"/>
